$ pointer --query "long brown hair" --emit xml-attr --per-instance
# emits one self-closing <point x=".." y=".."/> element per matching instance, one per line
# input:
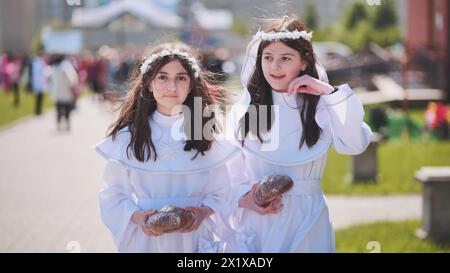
<point x="139" y="104"/>
<point x="261" y="91"/>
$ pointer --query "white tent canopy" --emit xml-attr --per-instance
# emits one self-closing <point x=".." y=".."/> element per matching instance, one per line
<point x="212" y="19"/>
<point x="143" y="9"/>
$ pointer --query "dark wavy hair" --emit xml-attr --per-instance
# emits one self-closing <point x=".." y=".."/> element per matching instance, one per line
<point x="139" y="104"/>
<point x="261" y="91"/>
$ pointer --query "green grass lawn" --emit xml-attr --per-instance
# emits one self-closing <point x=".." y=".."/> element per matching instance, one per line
<point x="391" y="236"/>
<point x="9" y="113"/>
<point x="397" y="163"/>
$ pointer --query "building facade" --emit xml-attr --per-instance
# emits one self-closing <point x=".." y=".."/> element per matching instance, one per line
<point x="427" y="40"/>
<point x="21" y="20"/>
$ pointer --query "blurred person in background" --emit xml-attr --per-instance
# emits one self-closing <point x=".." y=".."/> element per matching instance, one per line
<point x="96" y="75"/>
<point x="62" y="80"/>
<point x="13" y="69"/>
<point x="4" y="76"/>
<point x="437" y="119"/>
<point x="38" y="68"/>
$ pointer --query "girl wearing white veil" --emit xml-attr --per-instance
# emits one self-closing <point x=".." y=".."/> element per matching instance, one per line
<point x="305" y="117"/>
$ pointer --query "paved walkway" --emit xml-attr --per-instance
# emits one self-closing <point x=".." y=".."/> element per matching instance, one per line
<point x="347" y="211"/>
<point x="49" y="183"/>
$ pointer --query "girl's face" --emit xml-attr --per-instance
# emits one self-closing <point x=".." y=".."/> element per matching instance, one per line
<point x="170" y="87"/>
<point x="281" y="64"/>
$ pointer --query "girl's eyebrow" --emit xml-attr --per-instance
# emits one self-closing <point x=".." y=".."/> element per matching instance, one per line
<point x="165" y="73"/>
<point x="283" y="54"/>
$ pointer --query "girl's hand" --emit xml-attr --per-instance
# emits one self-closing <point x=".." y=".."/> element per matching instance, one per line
<point x="309" y="85"/>
<point x="200" y="213"/>
<point x="140" y="219"/>
<point x="248" y="201"/>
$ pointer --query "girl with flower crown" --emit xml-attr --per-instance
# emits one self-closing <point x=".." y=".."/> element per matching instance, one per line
<point x="155" y="157"/>
<point x="305" y="117"/>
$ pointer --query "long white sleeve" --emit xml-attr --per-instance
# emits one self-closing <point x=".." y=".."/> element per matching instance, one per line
<point x="116" y="202"/>
<point x="217" y="190"/>
<point x="240" y="183"/>
<point x="343" y="113"/>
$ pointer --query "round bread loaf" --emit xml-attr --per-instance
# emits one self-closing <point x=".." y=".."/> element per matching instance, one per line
<point x="270" y="187"/>
<point x="169" y="219"/>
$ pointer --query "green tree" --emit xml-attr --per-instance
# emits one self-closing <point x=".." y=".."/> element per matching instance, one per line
<point x="385" y="29"/>
<point x="361" y="24"/>
<point x="311" y="16"/>
<point x="356" y="13"/>
<point x="385" y="15"/>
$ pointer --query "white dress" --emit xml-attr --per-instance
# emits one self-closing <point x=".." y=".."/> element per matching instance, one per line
<point x="130" y="185"/>
<point x="304" y="224"/>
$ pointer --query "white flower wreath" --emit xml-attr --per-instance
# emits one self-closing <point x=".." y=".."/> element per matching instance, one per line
<point x="175" y="52"/>
<point x="283" y="35"/>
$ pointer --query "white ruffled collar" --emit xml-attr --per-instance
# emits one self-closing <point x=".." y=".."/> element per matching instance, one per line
<point x="165" y="121"/>
<point x="172" y="159"/>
